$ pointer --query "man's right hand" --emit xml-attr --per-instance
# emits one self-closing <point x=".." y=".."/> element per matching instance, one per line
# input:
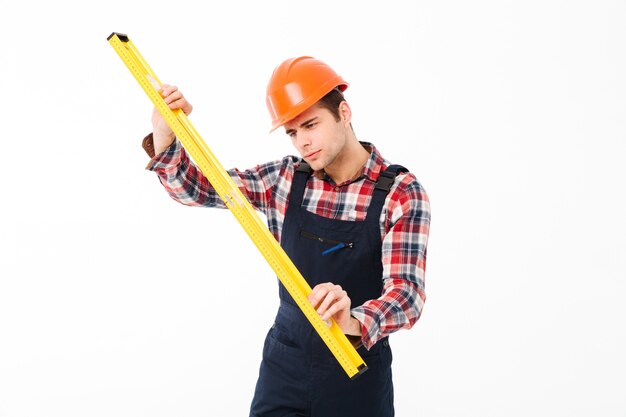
<point x="163" y="136"/>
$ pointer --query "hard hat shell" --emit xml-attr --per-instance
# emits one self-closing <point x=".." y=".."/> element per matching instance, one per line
<point x="297" y="84"/>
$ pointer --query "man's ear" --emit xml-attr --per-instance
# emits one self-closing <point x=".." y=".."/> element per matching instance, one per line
<point x="345" y="113"/>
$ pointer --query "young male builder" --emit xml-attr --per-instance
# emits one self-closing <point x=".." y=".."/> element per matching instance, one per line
<point x="354" y="225"/>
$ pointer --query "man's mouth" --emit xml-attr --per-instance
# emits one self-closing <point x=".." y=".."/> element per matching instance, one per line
<point x="312" y="154"/>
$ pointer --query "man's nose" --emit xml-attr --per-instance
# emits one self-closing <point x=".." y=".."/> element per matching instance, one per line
<point x="303" y="140"/>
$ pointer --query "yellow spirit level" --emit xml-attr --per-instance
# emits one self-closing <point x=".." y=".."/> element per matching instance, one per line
<point x="294" y="282"/>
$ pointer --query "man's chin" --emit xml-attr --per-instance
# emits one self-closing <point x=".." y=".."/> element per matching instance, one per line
<point x="315" y="165"/>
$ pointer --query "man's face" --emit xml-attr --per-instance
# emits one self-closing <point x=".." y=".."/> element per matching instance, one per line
<point x="318" y="137"/>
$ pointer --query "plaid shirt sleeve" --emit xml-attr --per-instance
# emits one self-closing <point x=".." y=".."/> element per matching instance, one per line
<point x="186" y="184"/>
<point x="404" y="262"/>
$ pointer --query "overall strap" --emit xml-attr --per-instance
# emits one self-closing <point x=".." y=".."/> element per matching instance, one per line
<point x="385" y="180"/>
<point x="300" y="177"/>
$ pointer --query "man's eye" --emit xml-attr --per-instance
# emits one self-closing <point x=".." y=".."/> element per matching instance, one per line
<point x="310" y="125"/>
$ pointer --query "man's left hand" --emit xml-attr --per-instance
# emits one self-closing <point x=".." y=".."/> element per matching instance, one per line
<point x="332" y="301"/>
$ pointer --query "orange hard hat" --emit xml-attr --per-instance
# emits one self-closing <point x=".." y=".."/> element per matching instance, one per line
<point x="296" y="85"/>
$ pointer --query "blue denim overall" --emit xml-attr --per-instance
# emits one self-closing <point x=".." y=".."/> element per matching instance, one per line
<point x="299" y="376"/>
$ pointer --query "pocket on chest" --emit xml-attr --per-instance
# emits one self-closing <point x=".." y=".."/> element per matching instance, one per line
<point x="328" y="246"/>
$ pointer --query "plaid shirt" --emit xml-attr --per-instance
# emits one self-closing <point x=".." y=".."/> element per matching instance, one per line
<point x="404" y="221"/>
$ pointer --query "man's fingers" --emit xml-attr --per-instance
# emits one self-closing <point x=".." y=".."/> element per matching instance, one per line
<point x="318" y="293"/>
<point x="177" y="104"/>
<point x="330" y="298"/>
<point x="327" y="296"/>
<point x="167" y="90"/>
<point x="173" y="97"/>
<point x="335" y="308"/>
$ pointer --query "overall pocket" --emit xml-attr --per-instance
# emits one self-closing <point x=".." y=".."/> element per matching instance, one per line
<point x="334" y="245"/>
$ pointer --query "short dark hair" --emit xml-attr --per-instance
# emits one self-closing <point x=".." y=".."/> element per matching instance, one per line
<point x="331" y="102"/>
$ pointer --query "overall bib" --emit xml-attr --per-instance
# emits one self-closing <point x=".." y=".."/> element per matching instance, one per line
<point x="299" y="376"/>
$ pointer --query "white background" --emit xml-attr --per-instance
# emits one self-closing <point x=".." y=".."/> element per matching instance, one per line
<point x="116" y="301"/>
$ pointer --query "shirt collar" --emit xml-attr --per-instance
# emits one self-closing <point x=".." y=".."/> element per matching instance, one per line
<point x="374" y="163"/>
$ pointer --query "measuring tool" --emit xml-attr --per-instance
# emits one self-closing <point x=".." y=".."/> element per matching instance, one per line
<point x="294" y="282"/>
